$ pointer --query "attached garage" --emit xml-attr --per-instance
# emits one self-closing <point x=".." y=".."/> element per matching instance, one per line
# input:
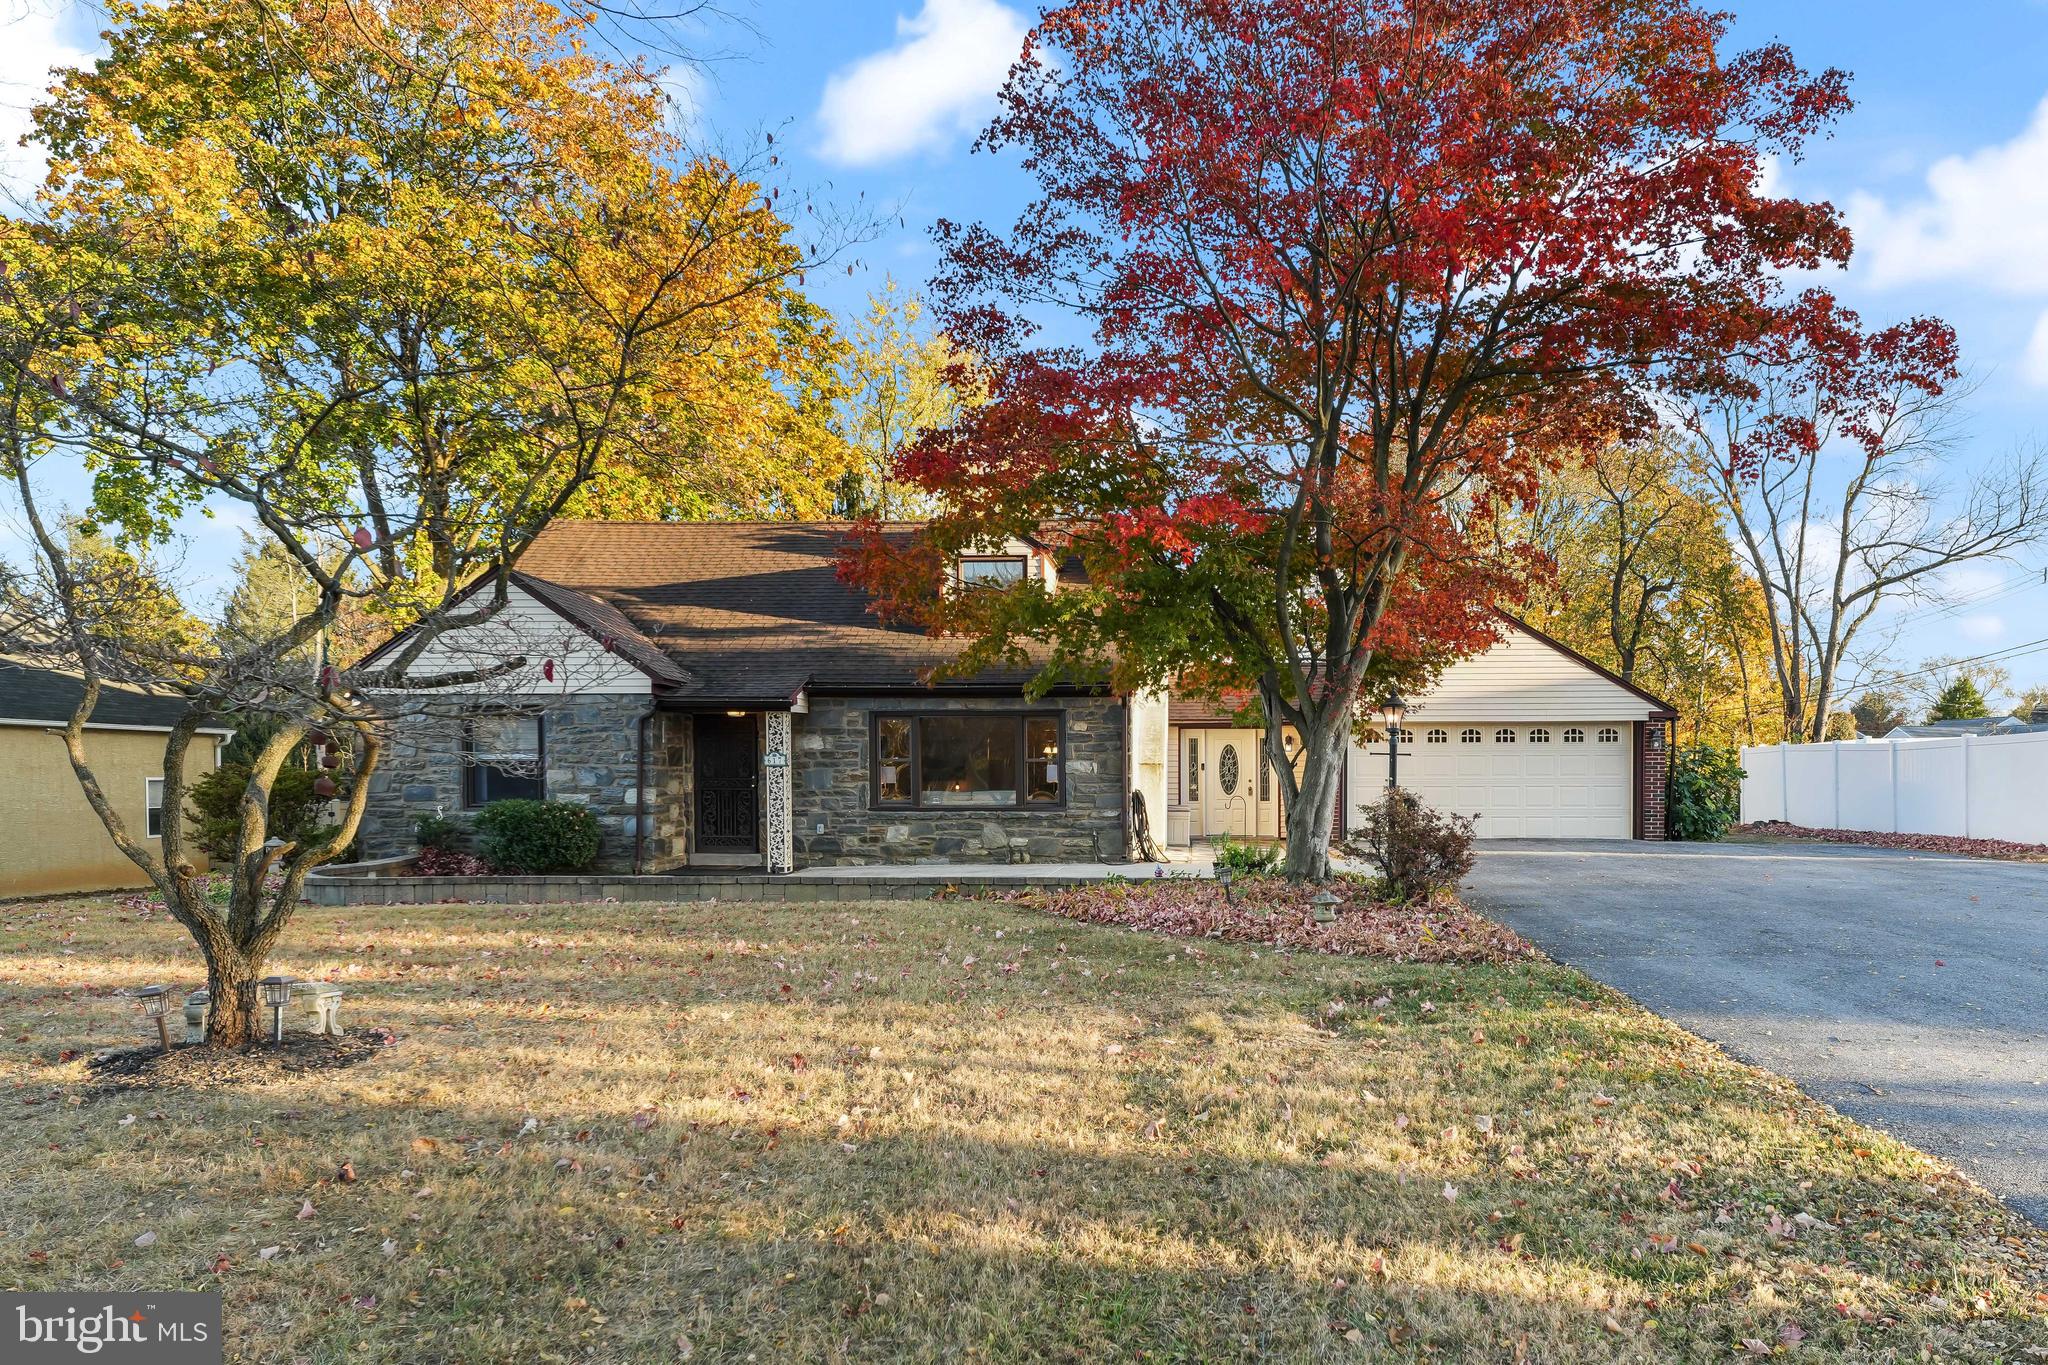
<point x="1534" y="741"/>
<point x="1525" y="781"/>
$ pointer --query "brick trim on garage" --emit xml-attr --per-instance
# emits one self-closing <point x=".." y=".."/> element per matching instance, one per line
<point x="1653" y="777"/>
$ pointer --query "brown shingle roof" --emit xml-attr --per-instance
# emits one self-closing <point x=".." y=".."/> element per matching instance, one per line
<point x="751" y="611"/>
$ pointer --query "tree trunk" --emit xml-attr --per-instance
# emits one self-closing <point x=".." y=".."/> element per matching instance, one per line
<point x="1311" y="816"/>
<point x="231" y="975"/>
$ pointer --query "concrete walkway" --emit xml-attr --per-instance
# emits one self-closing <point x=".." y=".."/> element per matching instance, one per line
<point x="1909" y="991"/>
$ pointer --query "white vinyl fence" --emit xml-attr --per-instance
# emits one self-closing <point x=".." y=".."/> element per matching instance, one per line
<point x="1989" y="787"/>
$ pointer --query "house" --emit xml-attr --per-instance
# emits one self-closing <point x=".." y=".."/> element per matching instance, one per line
<point x="721" y="698"/>
<point x="1949" y="729"/>
<point x="52" y="841"/>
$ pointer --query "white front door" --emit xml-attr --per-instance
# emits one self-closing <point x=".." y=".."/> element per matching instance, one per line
<point x="1221" y="768"/>
<point x="1553" y="781"/>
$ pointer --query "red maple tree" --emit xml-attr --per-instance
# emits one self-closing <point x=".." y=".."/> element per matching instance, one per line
<point x="1311" y="290"/>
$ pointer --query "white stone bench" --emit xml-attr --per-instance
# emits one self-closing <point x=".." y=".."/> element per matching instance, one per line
<point x="321" y="999"/>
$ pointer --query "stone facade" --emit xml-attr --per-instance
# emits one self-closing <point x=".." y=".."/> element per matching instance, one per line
<point x="591" y="758"/>
<point x="591" y="749"/>
<point x="836" y="826"/>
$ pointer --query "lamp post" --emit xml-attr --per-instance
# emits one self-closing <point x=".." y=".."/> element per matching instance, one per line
<point x="153" y="998"/>
<point x="1225" y="876"/>
<point x="277" y="993"/>
<point x="1393" y="711"/>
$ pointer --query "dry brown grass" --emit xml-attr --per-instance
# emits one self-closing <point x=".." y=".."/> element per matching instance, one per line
<point x="960" y="1130"/>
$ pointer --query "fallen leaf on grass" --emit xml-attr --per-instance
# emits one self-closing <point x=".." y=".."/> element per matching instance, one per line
<point x="269" y="1253"/>
<point x="305" y="1211"/>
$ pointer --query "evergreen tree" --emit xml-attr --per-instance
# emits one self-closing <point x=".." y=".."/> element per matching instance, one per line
<point x="1960" y="700"/>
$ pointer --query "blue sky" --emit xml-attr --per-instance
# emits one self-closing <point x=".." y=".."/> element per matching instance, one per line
<point x="1943" y="168"/>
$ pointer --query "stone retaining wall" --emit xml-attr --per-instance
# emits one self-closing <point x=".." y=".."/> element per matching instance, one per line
<point x="738" y="887"/>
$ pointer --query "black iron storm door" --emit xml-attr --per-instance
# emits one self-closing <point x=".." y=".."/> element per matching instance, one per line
<point x="728" y="784"/>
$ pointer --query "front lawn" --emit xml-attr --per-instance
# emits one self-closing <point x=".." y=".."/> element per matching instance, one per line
<point x="965" y="1130"/>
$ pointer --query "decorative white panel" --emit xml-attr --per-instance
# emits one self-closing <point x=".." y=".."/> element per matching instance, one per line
<point x="778" y="843"/>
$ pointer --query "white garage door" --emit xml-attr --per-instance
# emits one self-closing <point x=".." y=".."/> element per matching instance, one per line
<point x="1525" y="781"/>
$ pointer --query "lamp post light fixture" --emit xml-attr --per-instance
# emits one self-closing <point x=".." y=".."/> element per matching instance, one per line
<point x="277" y="993"/>
<point x="1393" y="711"/>
<point x="153" y="999"/>
<point x="1325" y="903"/>
<point x="1224" y="877"/>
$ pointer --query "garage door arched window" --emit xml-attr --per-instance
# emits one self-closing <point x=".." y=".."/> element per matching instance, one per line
<point x="1469" y="737"/>
<point x="1575" y="736"/>
<point x="1503" y="736"/>
<point x="1610" y="735"/>
<point x="1439" y="736"/>
<point x="1539" y="736"/>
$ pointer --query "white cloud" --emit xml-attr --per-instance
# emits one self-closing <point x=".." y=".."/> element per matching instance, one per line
<point x="688" y="96"/>
<point x="937" y="82"/>
<point x="1981" y="218"/>
<point x="2035" y="364"/>
<point x="33" y="39"/>
<point x="1981" y="628"/>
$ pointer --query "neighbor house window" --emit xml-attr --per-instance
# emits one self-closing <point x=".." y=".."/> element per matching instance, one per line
<point x="502" y="756"/>
<point x="991" y="571"/>
<point x="153" y="806"/>
<point x="964" y="759"/>
<point x="1610" y="736"/>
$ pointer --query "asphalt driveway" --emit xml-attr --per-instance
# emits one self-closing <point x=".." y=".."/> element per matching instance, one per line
<point x="1910" y="991"/>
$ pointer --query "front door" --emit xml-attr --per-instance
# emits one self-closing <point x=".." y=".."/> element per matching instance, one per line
<point x="1226" y="795"/>
<point x="728" y="785"/>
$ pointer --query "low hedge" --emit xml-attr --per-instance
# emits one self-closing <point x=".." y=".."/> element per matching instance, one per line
<point x="538" y="837"/>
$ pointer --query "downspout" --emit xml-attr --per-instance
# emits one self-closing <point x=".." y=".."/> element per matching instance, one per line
<point x="640" y="792"/>
<point x="1129" y="782"/>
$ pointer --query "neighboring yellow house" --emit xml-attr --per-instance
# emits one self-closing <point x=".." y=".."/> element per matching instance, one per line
<point x="50" y="839"/>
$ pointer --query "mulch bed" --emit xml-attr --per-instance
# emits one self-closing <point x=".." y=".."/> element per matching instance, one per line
<point x="149" y="1068"/>
<point x="1919" y="843"/>
<point x="1276" y="912"/>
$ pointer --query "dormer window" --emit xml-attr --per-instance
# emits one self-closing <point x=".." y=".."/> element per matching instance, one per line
<point x="990" y="571"/>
